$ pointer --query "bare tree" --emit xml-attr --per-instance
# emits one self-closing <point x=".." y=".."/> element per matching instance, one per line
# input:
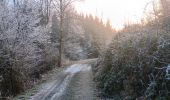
<point x="62" y="6"/>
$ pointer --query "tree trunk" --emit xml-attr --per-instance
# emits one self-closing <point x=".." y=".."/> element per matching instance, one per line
<point x="61" y="34"/>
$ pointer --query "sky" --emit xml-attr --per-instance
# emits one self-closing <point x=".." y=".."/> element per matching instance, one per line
<point x="117" y="11"/>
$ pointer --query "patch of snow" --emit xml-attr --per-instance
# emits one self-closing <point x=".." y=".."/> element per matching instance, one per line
<point x="77" y="68"/>
<point x="74" y="69"/>
<point x="62" y="88"/>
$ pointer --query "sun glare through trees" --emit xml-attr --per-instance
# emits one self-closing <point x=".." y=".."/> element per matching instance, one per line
<point x="84" y="49"/>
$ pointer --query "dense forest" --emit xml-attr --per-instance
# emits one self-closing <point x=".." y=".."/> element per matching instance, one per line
<point x="30" y="40"/>
<point x="37" y="36"/>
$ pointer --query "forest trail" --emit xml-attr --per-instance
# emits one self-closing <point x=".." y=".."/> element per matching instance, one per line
<point x="73" y="83"/>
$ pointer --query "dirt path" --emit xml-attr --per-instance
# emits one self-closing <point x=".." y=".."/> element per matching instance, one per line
<point x="74" y="83"/>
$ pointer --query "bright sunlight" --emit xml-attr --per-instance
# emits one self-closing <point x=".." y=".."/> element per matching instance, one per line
<point x="117" y="11"/>
<point x="84" y="49"/>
